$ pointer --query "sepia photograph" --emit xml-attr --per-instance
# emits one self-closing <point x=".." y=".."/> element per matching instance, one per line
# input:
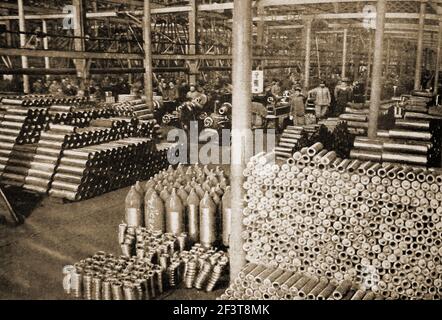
<point x="221" y="156"/>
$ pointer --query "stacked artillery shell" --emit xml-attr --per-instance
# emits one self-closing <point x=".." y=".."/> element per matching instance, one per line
<point x="288" y="141"/>
<point x="105" y="277"/>
<point x="190" y="201"/>
<point x="15" y="163"/>
<point x="257" y="282"/>
<point x="42" y="167"/>
<point x="135" y="109"/>
<point x="90" y="171"/>
<point x="356" y="121"/>
<point x="21" y="125"/>
<point x="407" y="152"/>
<point x="374" y="224"/>
<point x="411" y="141"/>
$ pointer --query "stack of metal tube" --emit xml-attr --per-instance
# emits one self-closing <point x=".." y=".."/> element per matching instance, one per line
<point x="79" y="116"/>
<point x="135" y="109"/>
<point x="15" y="163"/>
<point x="90" y="171"/>
<point x="288" y="142"/>
<point x="290" y="139"/>
<point x="47" y="155"/>
<point x="39" y="100"/>
<point x="22" y="125"/>
<point x="257" y="282"/>
<point x="411" y="142"/>
<point x="358" y="122"/>
<point x="374" y="224"/>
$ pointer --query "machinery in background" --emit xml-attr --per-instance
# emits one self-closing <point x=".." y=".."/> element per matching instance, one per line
<point x="267" y="112"/>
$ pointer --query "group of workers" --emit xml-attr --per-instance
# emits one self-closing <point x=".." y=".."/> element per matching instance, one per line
<point x="321" y="97"/>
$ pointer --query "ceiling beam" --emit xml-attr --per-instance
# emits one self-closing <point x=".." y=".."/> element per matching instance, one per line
<point x="123" y="56"/>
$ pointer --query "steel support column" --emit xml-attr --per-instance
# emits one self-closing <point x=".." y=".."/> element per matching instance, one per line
<point x="437" y="66"/>
<point x="344" y="54"/>
<point x="376" y="82"/>
<point x="148" y="74"/>
<point x="420" y="47"/>
<point x="242" y="141"/>
<point x="46" y="44"/>
<point x="308" y="48"/>
<point x="192" y="40"/>
<point x="24" y="59"/>
<point x="79" y="43"/>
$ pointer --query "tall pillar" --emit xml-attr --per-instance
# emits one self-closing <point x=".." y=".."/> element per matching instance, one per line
<point x="369" y="61"/>
<point x="387" y="63"/>
<point x="44" y="29"/>
<point x="24" y="59"/>
<point x="344" y="54"/>
<point x="148" y="70"/>
<point x="242" y="141"/>
<point x="192" y="40"/>
<point x="437" y="67"/>
<point x="308" y="48"/>
<point x="260" y="34"/>
<point x="420" y="47"/>
<point x="376" y="82"/>
<point x="79" y="42"/>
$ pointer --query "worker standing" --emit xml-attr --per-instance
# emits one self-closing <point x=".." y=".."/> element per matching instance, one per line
<point x="322" y="100"/>
<point x="343" y="95"/>
<point x="297" y="109"/>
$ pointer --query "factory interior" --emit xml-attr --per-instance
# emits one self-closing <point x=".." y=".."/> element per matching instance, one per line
<point x="220" y="150"/>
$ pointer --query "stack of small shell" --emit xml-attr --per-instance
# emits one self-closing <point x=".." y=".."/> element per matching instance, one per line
<point x="203" y="267"/>
<point x="370" y="223"/>
<point x="257" y="282"/>
<point x="199" y="268"/>
<point x="144" y="243"/>
<point x="290" y="139"/>
<point x="105" y="277"/>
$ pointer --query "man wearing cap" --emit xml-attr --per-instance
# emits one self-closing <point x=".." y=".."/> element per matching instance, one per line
<point x="322" y="99"/>
<point x="297" y="109"/>
<point x="343" y="95"/>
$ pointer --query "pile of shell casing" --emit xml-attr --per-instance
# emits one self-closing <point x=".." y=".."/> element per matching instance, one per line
<point x="199" y="268"/>
<point x="90" y="171"/>
<point x="135" y="109"/>
<point x="413" y="137"/>
<point x="191" y="199"/>
<point x="153" y="245"/>
<point x="15" y="163"/>
<point x="21" y="125"/>
<point x="371" y="223"/>
<point x="257" y="282"/>
<point x="290" y="139"/>
<point x="79" y="149"/>
<point x="203" y="267"/>
<point x="106" y="277"/>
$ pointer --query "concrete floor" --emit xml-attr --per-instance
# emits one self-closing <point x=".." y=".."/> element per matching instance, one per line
<point x="55" y="234"/>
